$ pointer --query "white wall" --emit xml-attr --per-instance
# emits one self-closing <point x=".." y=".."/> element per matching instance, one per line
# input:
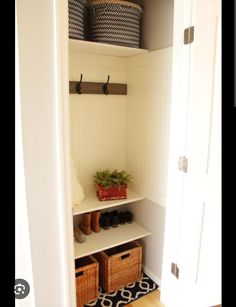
<point x="152" y="217"/>
<point x="128" y="132"/>
<point x="149" y="81"/>
<point x="42" y="41"/>
<point x="97" y="122"/>
<point x="157" y="24"/>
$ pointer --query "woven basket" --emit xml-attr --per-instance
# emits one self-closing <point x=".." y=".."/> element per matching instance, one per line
<point x="115" y="22"/>
<point x="119" y="266"/>
<point x="86" y="274"/>
<point x="76" y="11"/>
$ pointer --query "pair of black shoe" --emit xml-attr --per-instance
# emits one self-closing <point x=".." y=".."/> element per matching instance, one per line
<point x="114" y="218"/>
<point x="125" y="217"/>
<point x="109" y="219"/>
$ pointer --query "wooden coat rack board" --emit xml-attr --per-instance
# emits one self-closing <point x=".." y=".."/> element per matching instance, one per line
<point x="81" y="87"/>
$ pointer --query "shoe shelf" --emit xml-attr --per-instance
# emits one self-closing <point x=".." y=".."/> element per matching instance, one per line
<point x="91" y="202"/>
<point x="96" y="242"/>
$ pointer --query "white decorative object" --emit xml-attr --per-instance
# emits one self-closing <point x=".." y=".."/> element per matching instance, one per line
<point x="77" y="189"/>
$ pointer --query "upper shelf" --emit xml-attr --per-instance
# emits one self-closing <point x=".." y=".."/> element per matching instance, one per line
<point x="91" y="202"/>
<point x="103" y="49"/>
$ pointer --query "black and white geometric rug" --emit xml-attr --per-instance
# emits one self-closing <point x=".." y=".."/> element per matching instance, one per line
<point x="125" y="295"/>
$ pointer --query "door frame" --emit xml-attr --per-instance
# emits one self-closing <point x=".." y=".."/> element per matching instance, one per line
<point x="43" y="78"/>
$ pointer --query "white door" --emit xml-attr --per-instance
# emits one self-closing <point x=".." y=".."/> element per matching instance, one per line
<point x="193" y="219"/>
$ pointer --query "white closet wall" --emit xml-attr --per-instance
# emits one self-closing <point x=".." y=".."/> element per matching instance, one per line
<point x="157" y="25"/>
<point x="152" y="217"/>
<point x="98" y="122"/>
<point x="127" y="132"/>
<point x="149" y="80"/>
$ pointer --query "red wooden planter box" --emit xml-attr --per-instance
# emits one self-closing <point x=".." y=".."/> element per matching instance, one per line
<point x="119" y="192"/>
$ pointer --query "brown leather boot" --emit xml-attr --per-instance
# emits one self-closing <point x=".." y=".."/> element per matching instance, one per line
<point x="95" y="221"/>
<point x="85" y="226"/>
<point x="79" y="235"/>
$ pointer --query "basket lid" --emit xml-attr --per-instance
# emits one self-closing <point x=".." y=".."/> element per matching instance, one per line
<point x="122" y="2"/>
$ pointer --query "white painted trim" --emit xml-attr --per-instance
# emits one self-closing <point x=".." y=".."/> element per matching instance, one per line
<point x="153" y="276"/>
<point x="23" y="260"/>
<point x="177" y="145"/>
<point x="104" y="49"/>
<point x="44" y="81"/>
<point x="62" y="73"/>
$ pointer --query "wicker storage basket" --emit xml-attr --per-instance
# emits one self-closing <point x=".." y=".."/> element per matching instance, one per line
<point x="119" y="266"/>
<point x="76" y="18"/>
<point x="86" y="274"/>
<point x="115" y="22"/>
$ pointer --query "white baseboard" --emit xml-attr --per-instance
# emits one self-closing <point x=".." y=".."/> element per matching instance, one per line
<point x="156" y="279"/>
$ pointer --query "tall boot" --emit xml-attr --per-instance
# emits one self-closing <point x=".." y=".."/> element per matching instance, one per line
<point x="79" y="235"/>
<point x="95" y="221"/>
<point x="85" y="226"/>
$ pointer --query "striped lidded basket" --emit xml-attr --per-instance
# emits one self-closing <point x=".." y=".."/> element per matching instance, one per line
<point x="115" y="22"/>
<point x="76" y="11"/>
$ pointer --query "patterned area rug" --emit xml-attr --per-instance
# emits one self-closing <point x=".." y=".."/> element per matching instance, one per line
<point x="125" y="295"/>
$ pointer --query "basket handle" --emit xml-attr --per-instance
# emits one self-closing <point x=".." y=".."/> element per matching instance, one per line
<point x="79" y="274"/>
<point x="125" y="256"/>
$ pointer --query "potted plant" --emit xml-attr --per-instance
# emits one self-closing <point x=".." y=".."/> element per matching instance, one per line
<point x="111" y="185"/>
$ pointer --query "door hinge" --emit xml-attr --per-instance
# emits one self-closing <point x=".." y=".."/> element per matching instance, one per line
<point x="175" y="270"/>
<point x="183" y="164"/>
<point x="188" y="35"/>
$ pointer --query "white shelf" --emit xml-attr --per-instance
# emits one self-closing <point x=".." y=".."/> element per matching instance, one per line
<point x="104" y="239"/>
<point x="103" y="49"/>
<point x="91" y="202"/>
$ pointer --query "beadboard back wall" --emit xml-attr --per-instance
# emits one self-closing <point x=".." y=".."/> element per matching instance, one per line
<point x="98" y="122"/>
<point x="149" y="85"/>
<point x="117" y="132"/>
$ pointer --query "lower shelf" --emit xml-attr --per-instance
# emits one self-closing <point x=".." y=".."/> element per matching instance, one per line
<point x="104" y="239"/>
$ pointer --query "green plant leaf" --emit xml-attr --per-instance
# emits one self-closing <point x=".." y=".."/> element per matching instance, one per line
<point x="108" y="179"/>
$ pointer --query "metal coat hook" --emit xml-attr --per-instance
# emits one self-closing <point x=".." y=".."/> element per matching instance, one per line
<point x="78" y="85"/>
<point x="105" y="86"/>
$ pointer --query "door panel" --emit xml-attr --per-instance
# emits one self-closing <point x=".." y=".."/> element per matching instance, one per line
<point x="198" y="241"/>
